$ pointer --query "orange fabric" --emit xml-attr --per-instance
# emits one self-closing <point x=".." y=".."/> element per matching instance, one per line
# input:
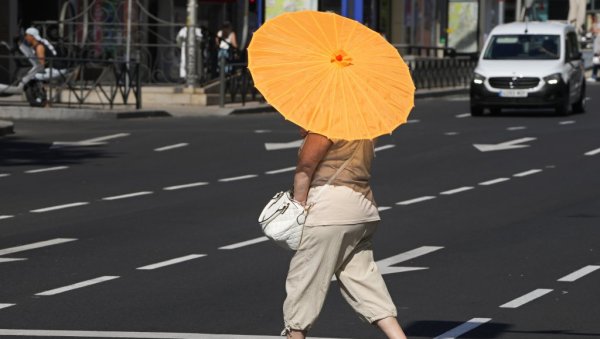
<point x="331" y="75"/>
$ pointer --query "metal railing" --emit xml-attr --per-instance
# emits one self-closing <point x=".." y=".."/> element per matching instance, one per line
<point x="236" y="82"/>
<point x="428" y="73"/>
<point x="86" y="81"/>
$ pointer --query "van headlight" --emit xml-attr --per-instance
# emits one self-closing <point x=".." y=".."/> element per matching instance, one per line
<point x="478" y="79"/>
<point x="553" y="79"/>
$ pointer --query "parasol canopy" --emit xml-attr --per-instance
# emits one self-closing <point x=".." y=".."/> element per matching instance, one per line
<point x="331" y="75"/>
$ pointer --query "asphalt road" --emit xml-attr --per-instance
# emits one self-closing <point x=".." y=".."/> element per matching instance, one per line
<point x="146" y="228"/>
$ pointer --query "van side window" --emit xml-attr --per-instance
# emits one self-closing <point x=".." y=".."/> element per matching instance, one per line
<point x="572" y="46"/>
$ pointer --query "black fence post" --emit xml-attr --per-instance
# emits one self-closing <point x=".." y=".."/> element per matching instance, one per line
<point x="222" y="81"/>
<point x="138" y="86"/>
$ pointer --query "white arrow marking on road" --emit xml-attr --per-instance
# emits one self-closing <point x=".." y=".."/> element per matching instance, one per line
<point x="88" y="142"/>
<point x="274" y="146"/>
<point x="513" y="144"/>
<point x="386" y="265"/>
<point x="121" y="334"/>
<point x="464" y="328"/>
<point x="35" y="245"/>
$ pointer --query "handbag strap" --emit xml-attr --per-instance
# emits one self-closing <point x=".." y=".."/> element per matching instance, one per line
<point x="339" y="170"/>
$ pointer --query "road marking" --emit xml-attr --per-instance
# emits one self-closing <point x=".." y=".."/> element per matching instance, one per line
<point x="464" y="328"/>
<point x="413" y="121"/>
<point x="516" y="128"/>
<point x="512" y="144"/>
<point x="6" y="217"/>
<point x="11" y="259"/>
<point x="579" y="273"/>
<point x="171" y="262"/>
<point x="567" y="122"/>
<point x="59" y="207"/>
<point x="464" y="115"/>
<point x="261" y="131"/>
<point x="121" y="334"/>
<point x="386" y="265"/>
<point x="88" y="142"/>
<point x="593" y="152"/>
<point x="178" y="187"/>
<point x="49" y="169"/>
<point x="242" y="177"/>
<point x="130" y="195"/>
<point x="77" y="285"/>
<point x="451" y="133"/>
<point x="2" y="175"/>
<point x="493" y="181"/>
<point x="416" y="200"/>
<point x="35" y="245"/>
<point x="383" y="208"/>
<point x="526" y="173"/>
<point x="384" y="147"/>
<point x="520" y="301"/>
<point x="6" y="305"/>
<point x="170" y="147"/>
<point x="244" y="243"/>
<point x="282" y="170"/>
<point x="274" y="146"/>
<point x="457" y="190"/>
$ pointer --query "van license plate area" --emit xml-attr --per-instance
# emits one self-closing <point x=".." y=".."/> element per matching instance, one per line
<point x="513" y="93"/>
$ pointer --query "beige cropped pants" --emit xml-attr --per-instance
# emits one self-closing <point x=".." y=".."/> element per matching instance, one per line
<point x="346" y="252"/>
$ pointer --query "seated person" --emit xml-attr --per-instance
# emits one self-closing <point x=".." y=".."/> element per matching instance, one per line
<point x="38" y="50"/>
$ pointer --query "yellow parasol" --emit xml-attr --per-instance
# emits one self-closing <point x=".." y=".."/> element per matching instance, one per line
<point x="331" y="75"/>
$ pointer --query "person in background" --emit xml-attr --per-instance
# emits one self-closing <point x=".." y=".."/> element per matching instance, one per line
<point x="182" y="42"/>
<point x="37" y="50"/>
<point x="596" y="58"/>
<point x="227" y="42"/>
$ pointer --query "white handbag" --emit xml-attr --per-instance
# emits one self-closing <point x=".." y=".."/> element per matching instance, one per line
<point x="282" y="219"/>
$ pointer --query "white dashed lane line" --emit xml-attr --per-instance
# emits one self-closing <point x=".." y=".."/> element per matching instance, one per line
<point x="129" y="195"/>
<point x="464" y="328"/>
<point x="568" y="122"/>
<point x="520" y="301"/>
<point x="241" y="177"/>
<point x="178" y="187"/>
<point x="282" y="170"/>
<point x="11" y="259"/>
<point x="244" y="243"/>
<point x="3" y="175"/>
<point x="451" y="133"/>
<point x="172" y="262"/>
<point x="464" y="115"/>
<point x="493" y="181"/>
<point x="77" y="285"/>
<point x="516" y="128"/>
<point x="414" y="201"/>
<point x="35" y="245"/>
<point x="6" y="217"/>
<point x="413" y="121"/>
<point x="170" y="147"/>
<point x="579" y="273"/>
<point x="49" y="169"/>
<point x="383" y="208"/>
<point x="6" y="305"/>
<point x="59" y="207"/>
<point x="457" y="190"/>
<point x="593" y="152"/>
<point x="526" y="173"/>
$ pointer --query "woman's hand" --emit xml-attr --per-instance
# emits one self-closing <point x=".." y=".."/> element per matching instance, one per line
<point x="314" y="149"/>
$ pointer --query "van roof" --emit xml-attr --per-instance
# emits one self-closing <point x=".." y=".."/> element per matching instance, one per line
<point x="534" y="27"/>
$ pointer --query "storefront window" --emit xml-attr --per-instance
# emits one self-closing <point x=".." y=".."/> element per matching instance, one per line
<point x="331" y="5"/>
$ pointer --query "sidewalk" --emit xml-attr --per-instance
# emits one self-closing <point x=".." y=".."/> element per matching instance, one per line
<point x="21" y="111"/>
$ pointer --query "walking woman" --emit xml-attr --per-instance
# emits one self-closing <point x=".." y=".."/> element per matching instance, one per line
<point x="336" y="240"/>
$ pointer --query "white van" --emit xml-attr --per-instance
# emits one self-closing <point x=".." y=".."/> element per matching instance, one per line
<point x="534" y="64"/>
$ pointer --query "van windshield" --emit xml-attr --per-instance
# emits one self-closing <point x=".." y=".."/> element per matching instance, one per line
<point x="523" y="47"/>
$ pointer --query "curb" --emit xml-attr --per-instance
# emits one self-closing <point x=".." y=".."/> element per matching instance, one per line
<point x="6" y="127"/>
<point x="35" y="113"/>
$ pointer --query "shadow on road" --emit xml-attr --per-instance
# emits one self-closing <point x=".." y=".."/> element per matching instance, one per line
<point x="15" y="151"/>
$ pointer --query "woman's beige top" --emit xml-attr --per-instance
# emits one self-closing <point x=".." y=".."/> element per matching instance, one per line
<point x="348" y="199"/>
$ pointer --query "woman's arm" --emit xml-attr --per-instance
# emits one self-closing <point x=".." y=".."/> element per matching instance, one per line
<point x="314" y="149"/>
<point x="233" y="40"/>
<point x="40" y="52"/>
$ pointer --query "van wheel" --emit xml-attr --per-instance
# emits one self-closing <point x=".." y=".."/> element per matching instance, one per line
<point x="579" y="106"/>
<point x="476" y="111"/>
